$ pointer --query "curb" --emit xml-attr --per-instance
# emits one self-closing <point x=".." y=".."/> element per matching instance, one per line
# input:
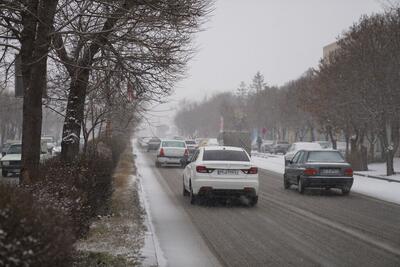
<point x="377" y="177"/>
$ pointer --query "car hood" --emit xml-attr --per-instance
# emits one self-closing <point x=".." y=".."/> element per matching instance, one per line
<point x="11" y="157"/>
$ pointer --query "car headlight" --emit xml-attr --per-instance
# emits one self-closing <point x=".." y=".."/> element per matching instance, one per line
<point x="5" y="163"/>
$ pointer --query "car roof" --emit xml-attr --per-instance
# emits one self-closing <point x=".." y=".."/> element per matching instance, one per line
<point x="172" y="140"/>
<point x="232" y="148"/>
<point x="319" y="150"/>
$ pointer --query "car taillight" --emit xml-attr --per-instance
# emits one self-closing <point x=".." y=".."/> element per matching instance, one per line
<point x="252" y="170"/>
<point x="161" y="154"/>
<point x="203" y="169"/>
<point x="348" y="172"/>
<point x="186" y="152"/>
<point x="310" y="172"/>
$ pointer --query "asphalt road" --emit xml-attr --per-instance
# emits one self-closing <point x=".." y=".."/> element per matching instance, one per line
<point x="319" y="228"/>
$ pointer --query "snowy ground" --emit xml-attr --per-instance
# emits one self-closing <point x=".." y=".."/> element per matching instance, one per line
<point x="385" y="190"/>
<point x="379" y="169"/>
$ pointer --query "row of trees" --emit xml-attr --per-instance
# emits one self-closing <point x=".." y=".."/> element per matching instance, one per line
<point x="101" y="62"/>
<point x="353" y="95"/>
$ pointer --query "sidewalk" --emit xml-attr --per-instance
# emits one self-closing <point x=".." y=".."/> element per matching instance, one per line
<point x="378" y="171"/>
<point x="177" y="241"/>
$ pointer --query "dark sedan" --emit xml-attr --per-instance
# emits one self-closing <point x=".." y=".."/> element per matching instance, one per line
<point x="319" y="169"/>
<point x="153" y="143"/>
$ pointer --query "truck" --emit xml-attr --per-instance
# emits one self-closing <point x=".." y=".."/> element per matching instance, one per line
<point x="236" y="138"/>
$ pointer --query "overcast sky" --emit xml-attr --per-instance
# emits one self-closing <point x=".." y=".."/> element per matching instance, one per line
<point x="279" y="38"/>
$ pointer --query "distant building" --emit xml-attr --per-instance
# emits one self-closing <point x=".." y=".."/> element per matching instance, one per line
<point x="328" y="49"/>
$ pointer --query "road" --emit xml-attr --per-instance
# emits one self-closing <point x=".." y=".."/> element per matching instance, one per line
<point x="319" y="228"/>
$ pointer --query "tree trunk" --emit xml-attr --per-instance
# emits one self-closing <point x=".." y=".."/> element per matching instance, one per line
<point x="74" y="115"/>
<point x="34" y="48"/>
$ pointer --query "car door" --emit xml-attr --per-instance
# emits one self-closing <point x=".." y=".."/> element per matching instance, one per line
<point x="298" y="165"/>
<point x="291" y="167"/>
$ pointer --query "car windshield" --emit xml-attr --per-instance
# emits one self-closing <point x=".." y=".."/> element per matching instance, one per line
<point x="225" y="155"/>
<point x="173" y="144"/>
<point x="325" y="156"/>
<point x="14" y="149"/>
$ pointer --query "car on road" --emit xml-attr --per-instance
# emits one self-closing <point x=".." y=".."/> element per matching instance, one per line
<point x="266" y="146"/>
<point x="221" y="171"/>
<point x="191" y="146"/>
<point x="11" y="162"/>
<point x="143" y="141"/>
<point x="292" y="150"/>
<point x="172" y="152"/>
<point x="153" y="143"/>
<point x="280" y="147"/>
<point x="318" y="169"/>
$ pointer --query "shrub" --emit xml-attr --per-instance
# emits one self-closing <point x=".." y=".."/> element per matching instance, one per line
<point x="32" y="233"/>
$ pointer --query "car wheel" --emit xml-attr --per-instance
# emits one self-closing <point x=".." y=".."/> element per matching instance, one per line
<point x="158" y="165"/>
<point x="185" y="192"/>
<point x="346" y="190"/>
<point x="193" y="197"/>
<point x="286" y="183"/>
<point x="300" y="186"/>
<point x="253" y="201"/>
<point x="4" y="173"/>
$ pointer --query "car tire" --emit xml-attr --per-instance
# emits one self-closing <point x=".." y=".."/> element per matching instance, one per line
<point x="253" y="201"/>
<point x="185" y="192"/>
<point x="286" y="183"/>
<point x="193" y="197"/>
<point x="300" y="186"/>
<point x="4" y="173"/>
<point x="345" y="191"/>
<point x="158" y="165"/>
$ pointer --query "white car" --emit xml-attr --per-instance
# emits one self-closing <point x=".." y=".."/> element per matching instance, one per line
<point x="221" y="171"/>
<point x="292" y="150"/>
<point x="172" y="152"/>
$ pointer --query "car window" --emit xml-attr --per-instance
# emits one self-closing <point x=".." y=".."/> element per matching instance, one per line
<point x="225" y="155"/>
<point x="14" y="149"/>
<point x="325" y="156"/>
<point x="190" y="142"/>
<point x="296" y="157"/>
<point x="302" y="157"/>
<point x="173" y="144"/>
<point x="195" y="156"/>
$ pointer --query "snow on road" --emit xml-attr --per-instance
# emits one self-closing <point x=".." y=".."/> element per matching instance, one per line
<point x="385" y="190"/>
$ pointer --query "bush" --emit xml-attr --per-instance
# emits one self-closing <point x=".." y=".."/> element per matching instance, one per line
<point x="32" y="233"/>
<point x="83" y="188"/>
<point x="40" y="222"/>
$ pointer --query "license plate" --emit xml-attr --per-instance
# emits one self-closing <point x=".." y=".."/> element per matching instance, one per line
<point x="330" y="171"/>
<point x="227" y="172"/>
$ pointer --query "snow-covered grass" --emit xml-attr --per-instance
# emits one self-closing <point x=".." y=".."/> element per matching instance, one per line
<point x="385" y="190"/>
<point x="116" y="240"/>
<point x="379" y="169"/>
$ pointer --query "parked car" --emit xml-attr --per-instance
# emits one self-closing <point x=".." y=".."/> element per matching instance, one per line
<point x="292" y="150"/>
<point x="220" y="171"/>
<point x="7" y="145"/>
<point x="266" y="146"/>
<point x="172" y="152"/>
<point x="318" y="169"/>
<point x="11" y="162"/>
<point x="280" y="147"/>
<point x="324" y="144"/>
<point x="153" y="143"/>
<point x="191" y="146"/>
